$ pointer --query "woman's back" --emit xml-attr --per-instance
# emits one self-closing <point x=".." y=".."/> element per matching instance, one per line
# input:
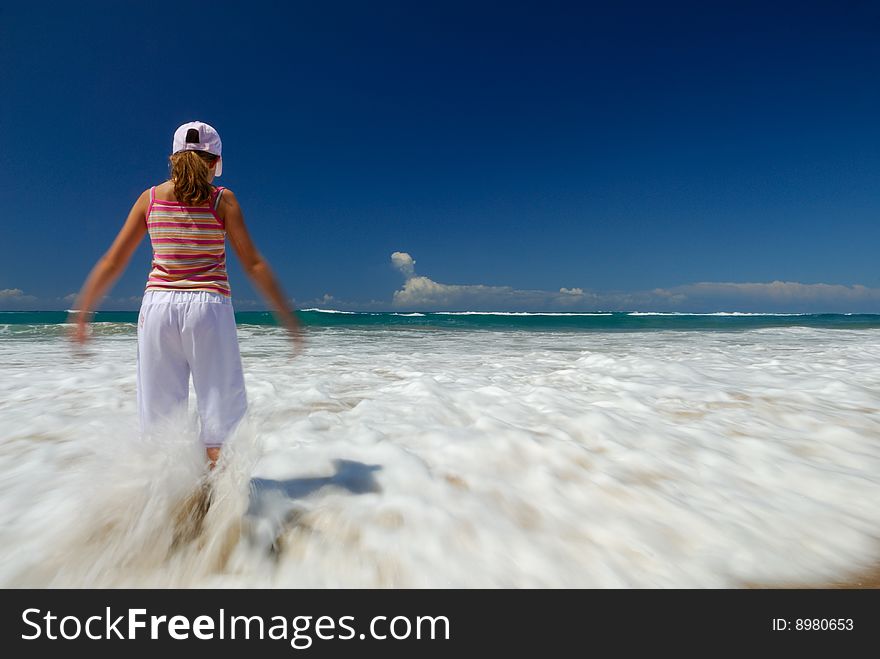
<point x="189" y="243"/>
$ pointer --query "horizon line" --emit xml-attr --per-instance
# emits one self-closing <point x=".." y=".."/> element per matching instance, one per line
<point x="498" y="311"/>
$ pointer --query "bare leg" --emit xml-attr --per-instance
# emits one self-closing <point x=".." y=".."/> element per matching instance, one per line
<point x="213" y="455"/>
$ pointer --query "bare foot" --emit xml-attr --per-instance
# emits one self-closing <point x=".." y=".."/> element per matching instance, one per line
<point x="213" y="455"/>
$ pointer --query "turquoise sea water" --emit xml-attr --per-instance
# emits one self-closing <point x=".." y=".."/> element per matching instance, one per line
<point x="472" y="320"/>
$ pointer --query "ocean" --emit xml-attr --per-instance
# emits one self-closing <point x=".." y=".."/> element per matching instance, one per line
<point x="407" y="450"/>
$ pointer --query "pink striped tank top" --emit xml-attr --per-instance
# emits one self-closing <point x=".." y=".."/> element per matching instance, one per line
<point x="189" y="246"/>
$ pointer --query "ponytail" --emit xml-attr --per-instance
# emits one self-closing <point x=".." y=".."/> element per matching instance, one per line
<point x="190" y="171"/>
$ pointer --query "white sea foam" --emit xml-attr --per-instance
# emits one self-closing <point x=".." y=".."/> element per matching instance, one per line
<point x="519" y="313"/>
<point x="713" y="313"/>
<point x="439" y="458"/>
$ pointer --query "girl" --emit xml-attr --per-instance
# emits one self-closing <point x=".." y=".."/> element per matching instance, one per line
<point x="186" y="323"/>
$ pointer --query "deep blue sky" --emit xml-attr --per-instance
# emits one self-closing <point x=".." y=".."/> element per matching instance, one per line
<point x="511" y="149"/>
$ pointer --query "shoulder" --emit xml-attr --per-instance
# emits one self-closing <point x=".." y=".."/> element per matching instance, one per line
<point x="227" y="195"/>
<point x="152" y="192"/>
<point x="228" y="201"/>
<point x="144" y="199"/>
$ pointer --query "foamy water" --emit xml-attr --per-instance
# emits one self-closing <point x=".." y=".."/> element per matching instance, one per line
<point x="420" y="457"/>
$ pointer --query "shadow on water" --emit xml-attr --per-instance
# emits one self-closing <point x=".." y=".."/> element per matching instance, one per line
<point x="276" y="505"/>
<point x="356" y="477"/>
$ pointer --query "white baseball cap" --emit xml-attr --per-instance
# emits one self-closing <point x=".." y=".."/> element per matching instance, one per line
<point x="199" y="136"/>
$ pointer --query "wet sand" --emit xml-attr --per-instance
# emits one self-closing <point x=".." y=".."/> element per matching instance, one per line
<point x="864" y="580"/>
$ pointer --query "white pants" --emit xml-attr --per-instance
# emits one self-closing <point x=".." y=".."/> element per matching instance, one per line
<point x="183" y="332"/>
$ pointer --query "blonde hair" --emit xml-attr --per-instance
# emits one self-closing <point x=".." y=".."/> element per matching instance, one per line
<point x="190" y="171"/>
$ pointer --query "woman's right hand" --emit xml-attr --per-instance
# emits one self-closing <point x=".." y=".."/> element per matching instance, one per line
<point x="79" y="332"/>
<point x="108" y="268"/>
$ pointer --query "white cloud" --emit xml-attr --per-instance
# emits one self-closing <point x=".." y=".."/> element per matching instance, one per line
<point x="774" y="296"/>
<point x="785" y="290"/>
<point x="405" y="263"/>
<point x="14" y="299"/>
<point x="423" y="293"/>
<point x="420" y="292"/>
<point x="11" y="294"/>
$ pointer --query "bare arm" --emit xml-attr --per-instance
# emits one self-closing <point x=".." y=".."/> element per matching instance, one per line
<point x="256" y="267"/>
<point x="111" y="264"/>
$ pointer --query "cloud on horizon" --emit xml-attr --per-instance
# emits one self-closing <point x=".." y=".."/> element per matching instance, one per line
<point x="14" y="299"/>
<point x="422" y="293"/>
<point x="14" y="296"/>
